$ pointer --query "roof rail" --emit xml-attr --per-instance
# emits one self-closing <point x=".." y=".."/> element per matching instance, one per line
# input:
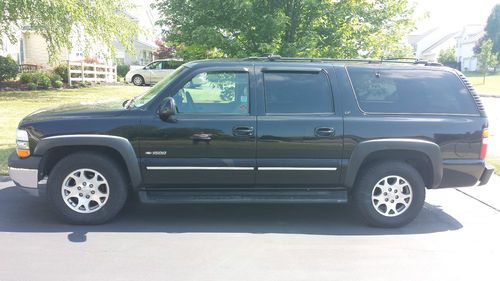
<point x="271" y="57"/>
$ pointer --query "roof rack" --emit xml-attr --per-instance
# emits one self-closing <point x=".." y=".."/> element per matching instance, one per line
<point x="272" y="57"/>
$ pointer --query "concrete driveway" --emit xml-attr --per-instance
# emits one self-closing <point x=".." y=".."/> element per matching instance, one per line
<point x="456" y="237"/>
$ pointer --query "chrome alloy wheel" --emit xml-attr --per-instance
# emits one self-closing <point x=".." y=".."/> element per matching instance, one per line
<point x="137" y="81"/>
<point x="392" y="196"/>
<point x="85" y="191"/>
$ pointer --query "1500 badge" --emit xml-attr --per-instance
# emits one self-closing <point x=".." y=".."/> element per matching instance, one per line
<point x="156" y="153"/>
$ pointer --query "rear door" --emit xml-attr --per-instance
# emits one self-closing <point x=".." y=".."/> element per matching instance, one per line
<point x="300" y="127"/>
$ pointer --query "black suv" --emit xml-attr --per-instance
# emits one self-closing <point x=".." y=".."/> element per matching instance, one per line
<point x="267" y="130"/>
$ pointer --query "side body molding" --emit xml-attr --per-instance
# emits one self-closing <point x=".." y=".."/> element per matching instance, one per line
<point x="364" y="149"/>
<point x="119" y="144"/>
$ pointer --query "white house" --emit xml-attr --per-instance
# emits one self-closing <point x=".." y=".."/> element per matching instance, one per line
<point x="428" y="44"/>
<point x="466" y="41"/>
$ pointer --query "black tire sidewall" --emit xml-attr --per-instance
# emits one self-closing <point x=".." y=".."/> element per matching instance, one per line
<point x="365" y="185"/>
<point x="108" y="168"/>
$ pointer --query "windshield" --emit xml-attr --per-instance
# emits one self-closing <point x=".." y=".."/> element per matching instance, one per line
<point x="151" y="93"/>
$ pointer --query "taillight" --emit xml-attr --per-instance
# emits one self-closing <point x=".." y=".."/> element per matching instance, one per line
<point x="484" y="143"/>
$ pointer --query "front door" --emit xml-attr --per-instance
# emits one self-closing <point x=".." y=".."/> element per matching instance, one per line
<point x="300" y="129"/>
<point x="210" y="142"/>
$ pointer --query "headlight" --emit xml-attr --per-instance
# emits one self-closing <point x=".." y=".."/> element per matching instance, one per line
<point x="22" y="144"/>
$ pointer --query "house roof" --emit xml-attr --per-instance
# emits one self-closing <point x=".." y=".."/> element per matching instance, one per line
<point x="439" y="42"/>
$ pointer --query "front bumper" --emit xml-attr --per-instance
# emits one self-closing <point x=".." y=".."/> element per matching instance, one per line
<point x="25" y="174"/>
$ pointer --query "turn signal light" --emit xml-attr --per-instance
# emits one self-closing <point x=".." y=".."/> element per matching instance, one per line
<point x="23" y="153"/>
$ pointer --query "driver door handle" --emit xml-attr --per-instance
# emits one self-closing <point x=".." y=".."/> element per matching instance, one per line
<point x="243" y="131"/>
<point x="324" y="132"/>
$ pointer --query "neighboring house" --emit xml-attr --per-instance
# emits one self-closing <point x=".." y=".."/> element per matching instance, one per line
<point x="31" y="48"/>
<point x="466" y="41"/>
<point x="429" y="43"/>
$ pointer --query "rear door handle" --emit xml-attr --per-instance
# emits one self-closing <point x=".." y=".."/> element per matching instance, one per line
<point x="243" y="131"/>
<point x="324" y="132"/>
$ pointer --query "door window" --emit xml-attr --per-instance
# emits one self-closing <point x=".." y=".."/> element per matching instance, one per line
<point x="155" y="65"/>
<point x="297" y="93"/>
<point x="215" y="92"/>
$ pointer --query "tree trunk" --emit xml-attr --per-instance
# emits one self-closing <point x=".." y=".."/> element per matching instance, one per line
<point x="484" y="77"/>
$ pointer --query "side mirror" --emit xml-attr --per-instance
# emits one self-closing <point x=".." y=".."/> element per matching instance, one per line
<point x="167" y="108"/>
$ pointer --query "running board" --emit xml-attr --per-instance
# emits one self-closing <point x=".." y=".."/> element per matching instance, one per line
<point x="238" y="196"/>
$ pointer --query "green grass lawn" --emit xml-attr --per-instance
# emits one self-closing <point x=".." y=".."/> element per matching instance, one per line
<point x="495" y="161"/>
<point x="16" y="105"/>
<point x="492" y="85"/>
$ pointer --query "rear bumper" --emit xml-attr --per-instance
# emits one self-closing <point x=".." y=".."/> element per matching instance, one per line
<point x="485" y="177"/>
<point x="462" y="173"/>
<point x="24" y="173"/>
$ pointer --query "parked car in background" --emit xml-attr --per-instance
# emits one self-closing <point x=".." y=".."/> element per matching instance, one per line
<point x="153" y="72"/>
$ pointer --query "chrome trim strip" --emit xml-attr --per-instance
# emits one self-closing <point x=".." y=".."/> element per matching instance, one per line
<point x="296" y="168"/>
<point x="173" y="168"/>
<point x="24" y="177"/>
<point x="199" y="168"/>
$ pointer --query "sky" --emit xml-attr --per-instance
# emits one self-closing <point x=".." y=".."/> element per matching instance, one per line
<point x="453" y="14"/>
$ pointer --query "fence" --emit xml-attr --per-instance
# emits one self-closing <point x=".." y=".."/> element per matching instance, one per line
<point x="91" y="72"/>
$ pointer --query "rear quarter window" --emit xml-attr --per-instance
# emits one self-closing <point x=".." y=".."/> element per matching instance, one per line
<point x="410" y="91"/>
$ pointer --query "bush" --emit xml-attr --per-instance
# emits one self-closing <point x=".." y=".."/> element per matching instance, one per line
<point x="38" y="76"/>
<point x="57" y="84"/>
<point x="26" y="77"/>
<point x="62" y="71"/>
<point x="32" y="86"/>
<point x="122" y="69"/>
<point x="55" y="77"/>
<point x="8" y="68"/>
<point x="44" y="82"/>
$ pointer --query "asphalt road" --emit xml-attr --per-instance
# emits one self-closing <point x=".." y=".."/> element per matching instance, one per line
<point x="455" y="237"/>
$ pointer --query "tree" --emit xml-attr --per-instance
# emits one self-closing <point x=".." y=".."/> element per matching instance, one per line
<point x="493" y="29"/>
<point x="97" y="22"/>
<point x="447" y="57"/>
<point x="164" y="51"/>
<point x="487" y="58"/>
<point x="239" y="28"/>
<point x="8" y="68"/>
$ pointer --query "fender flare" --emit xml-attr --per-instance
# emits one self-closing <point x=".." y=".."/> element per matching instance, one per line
<point x="364" y="149"/>
<point x="119" y="144"/>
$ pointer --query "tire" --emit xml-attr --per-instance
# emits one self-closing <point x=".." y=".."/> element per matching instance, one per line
<point x="79" y="176"/>
<point x="138" y="80"/>
<point x="383" y="183"/>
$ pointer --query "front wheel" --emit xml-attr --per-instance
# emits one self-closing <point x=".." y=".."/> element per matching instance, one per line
<point x="389" y="194"/>
<point x="138" y="80"/>
<point x="87" y="188"/>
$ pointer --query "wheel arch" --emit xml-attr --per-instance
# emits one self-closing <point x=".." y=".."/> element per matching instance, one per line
<point x="52" y="149"/>
<point x="424" y="156"/>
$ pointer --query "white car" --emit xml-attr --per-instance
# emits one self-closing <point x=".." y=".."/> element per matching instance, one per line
<point x="153" y="72"/>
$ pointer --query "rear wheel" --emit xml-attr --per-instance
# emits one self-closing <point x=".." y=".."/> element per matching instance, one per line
<point x="87" y="188"/>
<point x="389" y="194"/>
<point x="138" y="80"/>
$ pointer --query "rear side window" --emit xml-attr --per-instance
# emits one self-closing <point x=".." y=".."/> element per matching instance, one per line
<point x="294" y="92"/>
<point x="410" y="91"/>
